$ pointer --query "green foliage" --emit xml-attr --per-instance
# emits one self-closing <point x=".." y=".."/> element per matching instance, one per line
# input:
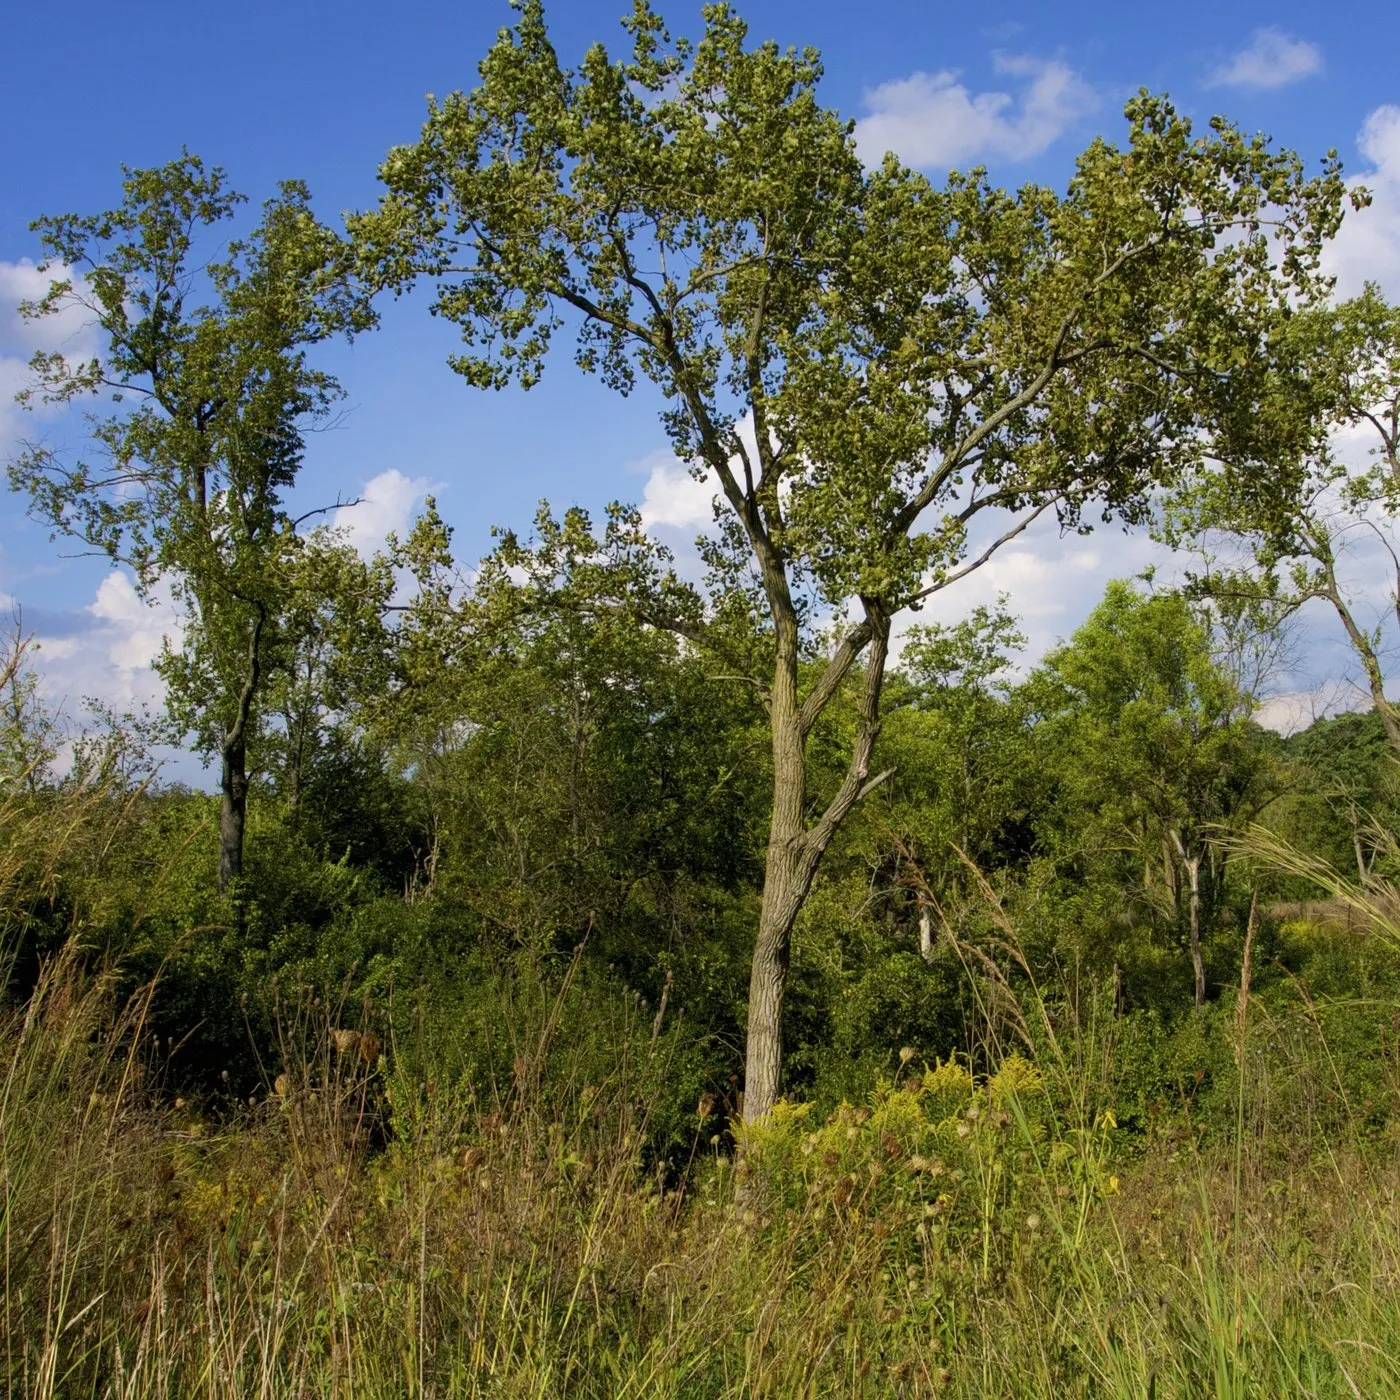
<point x="1155" y="757"/>
<point x="909" y="357"/>
<point x="836" y="302"/>
<point x="1286" y="538"/>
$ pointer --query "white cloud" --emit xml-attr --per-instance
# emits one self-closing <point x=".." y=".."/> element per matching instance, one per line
<point x="69" y="331"/>
<point x="131" y="631"/>
<point x="14" y="429"/>
<point x="1272" y="60"/>
<point x="105" y="652"/>
<point x="1292" y="710"/>
<point x="672" y="498"/>
<point x="931" y="119"/>
<point x="1052" y="582"/>
<point x="386" y="505"/>
<point x="1368" y="246"/>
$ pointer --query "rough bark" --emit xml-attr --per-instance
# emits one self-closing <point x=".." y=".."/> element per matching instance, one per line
<point x="233" y="812"/>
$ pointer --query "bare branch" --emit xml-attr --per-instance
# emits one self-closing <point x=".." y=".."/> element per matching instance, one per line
<point x="971" y="567"/>
<point x="850" y="647"/>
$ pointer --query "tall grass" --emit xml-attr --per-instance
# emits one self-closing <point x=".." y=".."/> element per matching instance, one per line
<point x="355" y="1233"/>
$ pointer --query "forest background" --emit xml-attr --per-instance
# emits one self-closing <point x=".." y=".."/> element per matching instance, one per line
<point x="598" y="947"/>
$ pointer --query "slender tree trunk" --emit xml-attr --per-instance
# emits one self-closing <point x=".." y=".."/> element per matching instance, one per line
<point x="786" y="883"/>
<point x="1362" y="645"/>
<point x="1193" y="871"/>
<point x="787" y="878"/>
<point x="233" y="773"/>
<point x="233" y="811"/>
<point x="296" y="758"/>
<point x="1191" y="863"/>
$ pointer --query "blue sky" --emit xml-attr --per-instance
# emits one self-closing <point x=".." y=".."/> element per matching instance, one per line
<point x="320" y="92"/>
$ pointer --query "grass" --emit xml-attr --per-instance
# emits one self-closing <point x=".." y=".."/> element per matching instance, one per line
<point x="356" y="1234"/>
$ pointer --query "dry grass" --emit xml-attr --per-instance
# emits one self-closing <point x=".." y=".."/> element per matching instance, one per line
<point x="491" y="1250"/>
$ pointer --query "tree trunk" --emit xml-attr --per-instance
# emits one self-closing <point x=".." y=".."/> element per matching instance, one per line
<point x="794" y="848"/>
<point x="785" y="886"/>
<point x="787" y="878"/>
<point x="233" y="811"/>
<point x="233" y="773"/>
<point x="1361" y="644"/>
<point x="1191" y="863"/>
<point x="1193" y="874"/>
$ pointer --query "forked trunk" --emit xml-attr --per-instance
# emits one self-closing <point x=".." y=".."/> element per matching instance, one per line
<point x="785" y="886"/>
<point x="795" y="848"/>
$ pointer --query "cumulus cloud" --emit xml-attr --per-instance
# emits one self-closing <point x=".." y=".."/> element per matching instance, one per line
<point x="932" y="119"/>
<point x="1292" y="710"/>
<point x="1368" y="246"/>
<point x="672" y="498"/>
<point x="1272" y="59"/>
<point x="386" y="505"/>
<point x="69" y="331"/>
<point x="1051" y="581"/>
<point x="104" y="651"/>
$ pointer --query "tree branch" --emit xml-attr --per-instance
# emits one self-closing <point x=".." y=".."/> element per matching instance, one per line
<point x="850" y="647"/>
<point x="1020" y="527"/>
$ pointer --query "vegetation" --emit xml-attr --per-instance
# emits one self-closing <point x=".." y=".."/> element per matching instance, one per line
<point x="594" y="980"/>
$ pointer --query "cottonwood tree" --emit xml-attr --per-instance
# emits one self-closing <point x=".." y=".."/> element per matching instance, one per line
<point x="188" y="474"/>
<point x="1293" y="539"/>
<point x="910" y="357"/>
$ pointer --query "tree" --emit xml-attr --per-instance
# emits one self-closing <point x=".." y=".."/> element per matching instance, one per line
<point x="29" y="734"/>
<point x="1293" y="539"/>
<point x="965" y="778"/>
<point x="1155" y="751"/>
<point x="194" y="464"/>
<point x="332" y="655"/>
<point x="864" y="363"/>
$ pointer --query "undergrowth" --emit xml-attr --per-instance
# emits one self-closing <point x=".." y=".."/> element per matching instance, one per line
<point x="354" y="1231"/>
